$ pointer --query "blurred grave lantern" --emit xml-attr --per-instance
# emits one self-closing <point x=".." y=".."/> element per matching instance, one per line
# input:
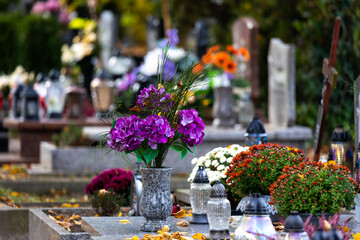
<point x="255" y="133"/>
<point x="55" y="96"/>
<point x="102" y="93"/>
<point x="16" y="100"/>
<point x="294" y="228"/>
<point x="40" y="88"/>
<point x="340" y="148"/>
<point x="219" y="212"/>
<point x="75" y="102"/>
<point x="255" y="221"/>
<point x="118" y="65"/>
<point x="29" y="103"/>
<point x="136" y="190"/>
<point x="200" y="190"/>
<point x="333" y="234"/>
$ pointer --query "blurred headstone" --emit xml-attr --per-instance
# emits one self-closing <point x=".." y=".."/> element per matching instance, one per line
<point x="245" y="34"/>
<point x="204" y="35"/>
<point x="107" y="31"/>
<point x="154" y="32"/>
<point x="357" y="111"/>
<point x="281" y="65"/>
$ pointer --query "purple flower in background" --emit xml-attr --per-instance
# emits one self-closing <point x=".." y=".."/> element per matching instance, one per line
<point x="52" y="5"/>
<point x="169" y="70"/>
<point x="128" y="80"/>
<point x="157" y="97"/>
<point x="64" y="17"/>
<point x="191" y="127"/>
<point x="125" y="136"/>
<point x="116" y="179"/>
<point x="173" y="36"/>
<point x="39" y="8"/>
<point x="157" y="130"/>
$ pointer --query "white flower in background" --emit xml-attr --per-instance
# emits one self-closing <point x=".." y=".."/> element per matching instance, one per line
<point x="175" y="54"/>
<point x="219" y="159"/>
<point x="152" y="62"/>
<point x="207" y="163"/>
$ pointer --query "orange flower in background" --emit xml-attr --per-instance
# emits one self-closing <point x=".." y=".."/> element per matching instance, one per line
<point x="220" y="58"/>
<point x="229" y="66"/>
<point x="245" y="53"/>
<point x="214" y="49"/>
<point x="207" y="58"/>
<point x="198" y="68"/>
<point x="231" y="49"/>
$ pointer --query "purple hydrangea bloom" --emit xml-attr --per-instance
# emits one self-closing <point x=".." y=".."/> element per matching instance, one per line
<point x="157" y="97"/>
<point x="172" y="38"/>
<point x="157" y="130"/>
<point x="191" y="127"/>
<point x="126" y="136"/>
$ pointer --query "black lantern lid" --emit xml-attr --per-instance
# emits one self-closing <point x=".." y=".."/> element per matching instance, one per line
<point x="339" y="134"/>
<point x="102" y="74"/>
<point x="40" y="77"/>
<point x="255" y="127"/>
<point x="294" y="223"/>
<point x="218" y="190"/>
<point x="29" y="92"/>
<point x="256" y="206"/>
<point x="54" y="75"/>
<point x="201" y="175"/>
<point x="334" y="234"/>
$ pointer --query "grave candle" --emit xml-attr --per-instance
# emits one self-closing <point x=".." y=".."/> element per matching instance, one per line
<point x="199" y="195"/>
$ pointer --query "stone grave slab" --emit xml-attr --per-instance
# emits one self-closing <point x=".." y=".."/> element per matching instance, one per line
<point x="111" y="227"/>
<point x="245" y="32"/>
<point x="281" y="70"/>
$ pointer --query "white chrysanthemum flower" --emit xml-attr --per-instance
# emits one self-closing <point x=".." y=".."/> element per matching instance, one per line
<point x="194" y="161"/>
<point x="215" y="163"/>
<point x="229" y="160"/>
<point x="201" y="160"/>
<point x="220" y="167"/>
<point x="223" y="159"/>
<point x="207" y="163"/>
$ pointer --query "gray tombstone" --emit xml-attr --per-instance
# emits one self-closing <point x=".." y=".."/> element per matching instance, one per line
<point x="107" y="32"/>
<point x="281" y="72"/>
<point x="357" y="111"/>
<point x="154" y="32"/>
<point x="245" y="34"/>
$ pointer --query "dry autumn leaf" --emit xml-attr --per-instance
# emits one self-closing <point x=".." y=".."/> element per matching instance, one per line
<point x="135" y="238"/>
<point x="125" y="221"/>
<point x="183" y="223"/>
<point x="180" y="214"/>
<point x="120" y="214"/>
<point x="165" y="228"/>
<point x="197" y="236"/>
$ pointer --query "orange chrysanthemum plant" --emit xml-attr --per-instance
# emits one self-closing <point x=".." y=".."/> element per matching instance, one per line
<point x="312" y="187"/>
<point x="256" y="169"/>
<point x="223" y="62"/>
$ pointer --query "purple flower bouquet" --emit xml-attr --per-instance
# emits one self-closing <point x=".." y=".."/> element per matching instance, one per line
<point x="158" y="121"/>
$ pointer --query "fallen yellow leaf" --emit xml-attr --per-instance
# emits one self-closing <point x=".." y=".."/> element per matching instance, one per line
<point x="15" y="194"/>
<point x="76" y="205"/>
<point x="96" y="215"/>
<point x="165" y="228"/>
<point x="356" y="236"/>
<point x="66" y="205"/>
<point x="197" y="236"/>
<point x="120" y="214"/>
<point x="124" y="221"/>
<point x="180" y="214"/>
<point x="77" y="222"/>
<point x="346" y="229"/>
<point x="135" y="238"/>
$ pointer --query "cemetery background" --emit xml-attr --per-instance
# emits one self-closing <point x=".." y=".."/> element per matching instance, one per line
<point x="302" y="22"/>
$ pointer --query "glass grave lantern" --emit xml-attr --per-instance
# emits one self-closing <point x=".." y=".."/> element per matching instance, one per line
<point x="55" y="96"/>
<point x="340" y="148"/>
<point x="200" y="190"/>
<point x="75" y="97"/>
<point x="333" y="234"/>
<point x="16" y="100"/>
<point x="255" y="133"/>
<point x="118" y="65"/>
<point x="136" y="190"/>
<point x="102" y="93"/>
<point x="218" y="212"/>
<point x="294" y="228"/>
<point x="256" y="222"/>
<point x="29" y="104"/>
